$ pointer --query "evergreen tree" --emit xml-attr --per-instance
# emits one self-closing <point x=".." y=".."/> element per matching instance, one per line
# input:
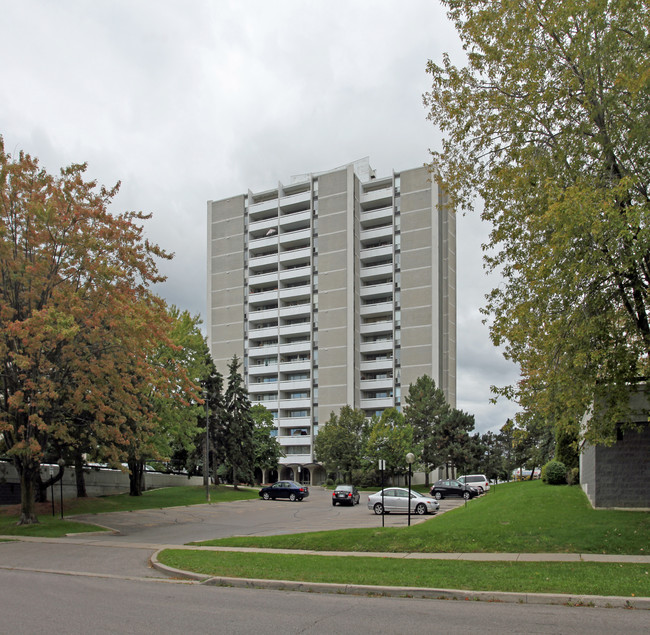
<point x="238" y="428"/>
<point x="426" y="407"/>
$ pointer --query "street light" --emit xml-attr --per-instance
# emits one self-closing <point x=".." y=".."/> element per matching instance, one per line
<point x="410" y="457"/>
<point x="61" y="463"/>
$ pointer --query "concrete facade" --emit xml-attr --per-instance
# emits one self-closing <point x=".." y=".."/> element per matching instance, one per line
<point x="337" y="289"/>
<point x="617" y="476"/>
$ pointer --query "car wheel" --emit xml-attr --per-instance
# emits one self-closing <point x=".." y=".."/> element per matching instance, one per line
<point x="292" y="497"/>
<point x="266" y="496"/>
<point x="379" y="509"/>
<point x="438" y="495"/>
<point x="481" y="490"/>
<point x="466" y="495"/>
<point x="421" y="509"/>
<point x="333" y="503"/>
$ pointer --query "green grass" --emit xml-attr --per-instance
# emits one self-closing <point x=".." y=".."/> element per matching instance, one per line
<point x="578" y="578"/>
<point x="49" y="526"/>
<point x="530" y="517"/>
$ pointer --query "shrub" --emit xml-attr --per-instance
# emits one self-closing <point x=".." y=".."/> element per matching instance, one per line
<point x="573" y="476"/>
<point x="554" y="473"/>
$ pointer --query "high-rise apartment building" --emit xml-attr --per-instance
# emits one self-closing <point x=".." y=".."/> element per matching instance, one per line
<point x="336" y="289"/>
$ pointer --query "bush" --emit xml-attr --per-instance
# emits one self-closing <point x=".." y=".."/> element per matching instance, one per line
<point x="573" y="476"/>
<point x="554" y="473"/>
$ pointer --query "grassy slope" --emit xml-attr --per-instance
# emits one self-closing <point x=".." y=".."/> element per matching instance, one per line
<point x="580" y="578"/>
<point x="516" y="517"/>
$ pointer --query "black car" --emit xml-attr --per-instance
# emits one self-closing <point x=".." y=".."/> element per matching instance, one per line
<point x="285" y="489"/>
<point x="346" y="495"/>
<point x="444" y="488"/>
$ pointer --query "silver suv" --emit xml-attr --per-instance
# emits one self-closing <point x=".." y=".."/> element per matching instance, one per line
<point x="476" y="480"/>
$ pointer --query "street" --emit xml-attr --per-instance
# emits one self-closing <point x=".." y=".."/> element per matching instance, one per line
<point x="37" y="603"/>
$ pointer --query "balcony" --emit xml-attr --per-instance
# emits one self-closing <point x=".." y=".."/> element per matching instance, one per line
<point x="375" y="365"/>
<point x="264" y="242"/>
<point x="262" y="369"/>
<point x="259" y="209"/>
<point x="296" y="239"/>
<point x="262" y="297"/>
<point x="295" y="385"/>
<point x="377" y="198"/>
<point x="296" y="220"/>
<point x="263" y="262"/>
<point x="262" y="351"/>
<point x="295" y="347"/>
<point x="262" y="334"/>
<point x="385" y="326"/>
<point x="296" y="365"/>
<point x="302" y="404"/>
<point x="377" y="384"/>
<point x="296" y="329"/>
<point x="295" y="202"/>
<point x="295" y="293"/>
<point x="376" y="234"/>
<point x="370" y="254"/>
<point x="367" y="274"/>
<point x="376" y="217"/>
<point x="263" y="279"/>
<point x="295" y="310"/>
<point x="377" y="404"/>
<point x="380" y="308"/>
<point x="295" y="256"/>
<point x="298" y="273"/>
<point x="380" y="346"/>
<point x="370" y="291"/>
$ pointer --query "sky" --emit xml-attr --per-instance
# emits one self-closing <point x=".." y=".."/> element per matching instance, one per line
<point x="185" y="102"/>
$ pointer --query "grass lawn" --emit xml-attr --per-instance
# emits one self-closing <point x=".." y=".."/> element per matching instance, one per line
<point x="153" y="499"/>
<point x="581" y="578"/>
<point x="529" y="516"/>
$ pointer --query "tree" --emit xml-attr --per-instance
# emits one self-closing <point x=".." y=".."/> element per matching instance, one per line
<point x="391" y="439"/>
<point x="238" y="427"/>
<point x="339" y="444"/>
<point x="266" y="447"/>
<point x="426" y="406"/>
<point x="548" y="122"/>
<point x="75" y="308"/>
<point x="455" y="443"/>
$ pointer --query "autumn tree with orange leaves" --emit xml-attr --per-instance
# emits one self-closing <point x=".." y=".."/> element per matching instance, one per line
<point x="79" y="325"/>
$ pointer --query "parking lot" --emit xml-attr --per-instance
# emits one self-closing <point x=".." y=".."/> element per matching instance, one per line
<point x="257" y="517"/>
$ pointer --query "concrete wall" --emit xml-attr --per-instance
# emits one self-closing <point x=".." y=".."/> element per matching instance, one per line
<point x="225" y="280"/>
<point x="98" y="482"/>
<point x="618" y="476"/>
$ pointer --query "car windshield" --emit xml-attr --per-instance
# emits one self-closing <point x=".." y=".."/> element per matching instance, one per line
<point x="344" y="488"/>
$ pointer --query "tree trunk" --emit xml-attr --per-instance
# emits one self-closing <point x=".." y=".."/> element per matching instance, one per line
<point x="136" y="470"/>
<point x="28" y="477"/>
<point x="79" y="475"/>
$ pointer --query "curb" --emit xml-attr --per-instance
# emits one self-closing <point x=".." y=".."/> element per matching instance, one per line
<point x="602" y="601"/>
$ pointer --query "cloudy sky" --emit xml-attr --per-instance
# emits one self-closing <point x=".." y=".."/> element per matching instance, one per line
<point x="189" y="101"/>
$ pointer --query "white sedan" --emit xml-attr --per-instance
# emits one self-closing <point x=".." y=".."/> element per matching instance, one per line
<point x="395" y="500"/>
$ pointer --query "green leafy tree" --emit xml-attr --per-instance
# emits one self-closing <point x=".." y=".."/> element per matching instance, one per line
<point x="391" y="439"/>
<point x="267" y="449"/>
<point x="339" y="443"/>
<point x="78" y="322"/>
<point x="426" y="407"/>
<point x="549" y="123"/>
<point x="238" y="427"/>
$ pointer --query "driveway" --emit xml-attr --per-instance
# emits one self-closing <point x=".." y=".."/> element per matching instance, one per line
<point x="179" y="525"/>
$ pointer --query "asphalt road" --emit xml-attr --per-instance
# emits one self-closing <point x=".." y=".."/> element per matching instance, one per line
<point x="257" y="517"/>
<point x="38" y="603"/>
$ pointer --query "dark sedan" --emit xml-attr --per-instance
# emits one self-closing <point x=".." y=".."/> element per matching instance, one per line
<point x="285" y="489"/>
<point x="445" y="488"/>
<point x="346" y="495"/>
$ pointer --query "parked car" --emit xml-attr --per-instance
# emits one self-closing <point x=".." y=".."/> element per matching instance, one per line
<point x="478" y="481"/>
<point x="395" y="499"/>
<point x="346" y="494"/>
<point x="444" y="488"/>
<point x="285" y="489"/>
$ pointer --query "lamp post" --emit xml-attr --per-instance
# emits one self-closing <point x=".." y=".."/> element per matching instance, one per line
<point x="61" y="463"/>
<point x="206" y="458"/>
<point x="410" y="457"/>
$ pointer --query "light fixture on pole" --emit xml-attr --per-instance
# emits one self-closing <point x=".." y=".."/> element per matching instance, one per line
<point x="410" y="457"/>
